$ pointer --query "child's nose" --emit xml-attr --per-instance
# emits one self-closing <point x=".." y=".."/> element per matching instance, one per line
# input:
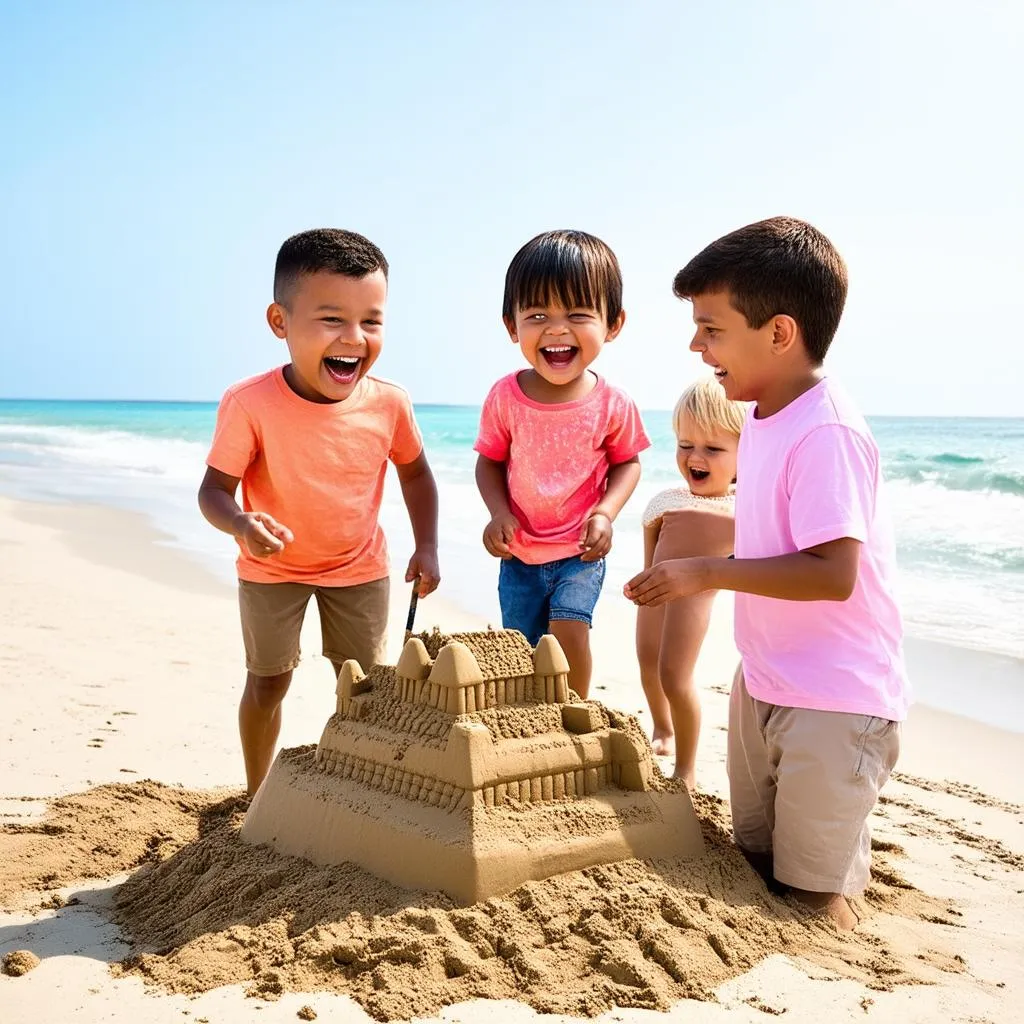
<point x="696" y="345"/>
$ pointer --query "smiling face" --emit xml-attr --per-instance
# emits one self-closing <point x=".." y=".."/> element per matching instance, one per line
<point x="740" y="355"/>
<point x="706" y="459"/>
<point x="561" y="343"/>
<point x="334" y="328"/>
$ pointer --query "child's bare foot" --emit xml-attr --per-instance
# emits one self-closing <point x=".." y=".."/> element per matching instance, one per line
<point x="689" y="778"/>
<point x="832" y="905"/>
<point x="663" y="743"/>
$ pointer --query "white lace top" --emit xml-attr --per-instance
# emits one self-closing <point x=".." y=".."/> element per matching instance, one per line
<point x="677" y="498"/>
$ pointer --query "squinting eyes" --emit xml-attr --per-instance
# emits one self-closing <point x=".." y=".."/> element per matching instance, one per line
<point x="572" y="316"/>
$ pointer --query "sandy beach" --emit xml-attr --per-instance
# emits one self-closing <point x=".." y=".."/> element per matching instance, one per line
<point x="122" y="663"/>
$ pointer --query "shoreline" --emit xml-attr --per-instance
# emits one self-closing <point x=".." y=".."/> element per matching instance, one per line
<point x="993" y="676"/>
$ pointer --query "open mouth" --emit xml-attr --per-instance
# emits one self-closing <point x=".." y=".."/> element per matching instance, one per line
<point x="720" y="374"/>
<point x="698" y="475"/>
<point x="342" y="369"/>
<point x="558" y="357"/>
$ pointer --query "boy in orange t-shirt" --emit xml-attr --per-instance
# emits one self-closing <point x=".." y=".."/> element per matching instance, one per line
<point x="310" y="442"/>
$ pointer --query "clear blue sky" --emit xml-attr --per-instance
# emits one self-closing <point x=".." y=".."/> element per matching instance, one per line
<point x="154" y="156"/>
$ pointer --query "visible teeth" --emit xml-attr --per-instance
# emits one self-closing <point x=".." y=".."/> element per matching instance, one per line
<point x="347" y="360"/>
<point x="558" y="348"/>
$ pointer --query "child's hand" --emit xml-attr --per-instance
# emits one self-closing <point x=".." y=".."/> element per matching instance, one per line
<point x="498" y="534"/>
<point x="262" y="534"/>
<point x="667" y="581"/>
<point x="596" y="539"/>
<point x="424" y="564"/>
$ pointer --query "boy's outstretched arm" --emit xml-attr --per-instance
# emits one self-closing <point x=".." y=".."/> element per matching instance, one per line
<point x="825" y="572"/>
<point x="596" y="540"/>
<point x="492" y="483"/>
<point x="262" y="534"/>
<point x="420" y="495"/>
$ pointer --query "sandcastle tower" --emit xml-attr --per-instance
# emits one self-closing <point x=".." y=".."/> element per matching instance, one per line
<point x="471" y="767"/>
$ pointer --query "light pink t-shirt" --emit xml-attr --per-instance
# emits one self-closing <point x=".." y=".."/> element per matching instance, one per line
<point x="557" y="459"/>
<point x="808" y="475"/>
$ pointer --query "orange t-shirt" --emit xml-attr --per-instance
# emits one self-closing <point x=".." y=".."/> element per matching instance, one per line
<point x="317" y="469"/>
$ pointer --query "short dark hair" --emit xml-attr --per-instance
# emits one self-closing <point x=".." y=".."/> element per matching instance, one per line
<point x="777" y="266"/>
<point x="324" y="250"/>
<point x="571" y="268"/>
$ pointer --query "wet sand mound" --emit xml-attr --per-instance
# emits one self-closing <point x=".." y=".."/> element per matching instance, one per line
<point x="206" y="909"/>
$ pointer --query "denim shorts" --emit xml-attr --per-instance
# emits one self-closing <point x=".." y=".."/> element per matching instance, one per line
<point x="532" y="595"/>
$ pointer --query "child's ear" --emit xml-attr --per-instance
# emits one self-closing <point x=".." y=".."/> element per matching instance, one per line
<point x="510" y="326"/>
<point x="615" y="326"/>
<point x="785" y="333"/>
<point x="277" y="318"/>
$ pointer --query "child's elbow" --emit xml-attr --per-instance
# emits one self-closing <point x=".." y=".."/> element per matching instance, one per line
<point x="843" y="586"/>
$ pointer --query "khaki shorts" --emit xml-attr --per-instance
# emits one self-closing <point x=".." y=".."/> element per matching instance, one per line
<point x="353" y="623"/>
<point x="802" y="784"/>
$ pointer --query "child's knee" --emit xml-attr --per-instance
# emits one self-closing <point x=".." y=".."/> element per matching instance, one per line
<point x="648" y="649"/>
<point x="648" y="660"/>
<point x="676" y="671"/>
<point x="267" y="692"/>
<point x="571" y="632"/>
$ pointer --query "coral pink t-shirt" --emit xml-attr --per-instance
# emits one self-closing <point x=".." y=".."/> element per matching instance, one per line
<point x="557" y="460"/>
<point x="317" y="469"/>
<point x="808" y="475"/>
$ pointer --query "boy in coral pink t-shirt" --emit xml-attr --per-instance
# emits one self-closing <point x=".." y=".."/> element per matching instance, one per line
<point x="309" y="443"/>
<point x="817" y="706"/>
<point x="558" y="446"/>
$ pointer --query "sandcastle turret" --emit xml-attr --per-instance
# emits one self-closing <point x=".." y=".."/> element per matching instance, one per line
<point x="551" y="671"/>
<point x="352" y="681"/>
<point x="412" y="669"/>
<point x="456" y="682"/>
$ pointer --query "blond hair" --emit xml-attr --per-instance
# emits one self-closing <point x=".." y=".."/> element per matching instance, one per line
<point x="705" y="403"/>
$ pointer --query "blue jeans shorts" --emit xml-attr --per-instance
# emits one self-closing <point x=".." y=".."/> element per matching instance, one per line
<point x="532" y="595"/>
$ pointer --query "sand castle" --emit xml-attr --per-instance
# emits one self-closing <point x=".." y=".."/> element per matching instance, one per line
<point x="471" y="767"/>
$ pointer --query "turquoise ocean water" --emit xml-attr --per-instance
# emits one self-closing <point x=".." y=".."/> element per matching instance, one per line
<point x="956" y="489"/>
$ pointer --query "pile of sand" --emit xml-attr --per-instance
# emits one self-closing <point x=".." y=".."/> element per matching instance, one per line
<point x="19" y="962"/>
<point x="105" y="831"/>
<point x="205" y="909"/>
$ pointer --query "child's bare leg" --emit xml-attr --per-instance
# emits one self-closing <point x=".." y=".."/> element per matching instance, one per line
<point x="259" y="724"/>
<point x="648" y="644"/>
<point x="574" y="639"/>
<point x="682" y="632"/>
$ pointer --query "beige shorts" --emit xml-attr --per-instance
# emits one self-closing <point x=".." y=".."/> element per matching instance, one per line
<point x="353" y="623"/>
<point x="802" y="784"/>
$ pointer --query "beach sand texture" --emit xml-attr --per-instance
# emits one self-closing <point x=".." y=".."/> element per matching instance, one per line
<point x="123" y="871"/>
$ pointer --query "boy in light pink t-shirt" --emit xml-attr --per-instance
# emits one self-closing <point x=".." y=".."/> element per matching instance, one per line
<point x="815" y="710"/>
<point x="558" y="445"/>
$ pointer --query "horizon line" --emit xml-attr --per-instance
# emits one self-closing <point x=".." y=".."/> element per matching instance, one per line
<point x="466" y="405"/>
